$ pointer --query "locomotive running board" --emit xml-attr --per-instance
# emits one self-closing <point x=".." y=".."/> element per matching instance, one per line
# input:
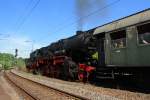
<point x="105" y="75"/>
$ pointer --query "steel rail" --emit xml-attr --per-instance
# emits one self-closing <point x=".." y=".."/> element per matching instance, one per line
<point x="61" y="91"/>
<point x="23" y="90"/>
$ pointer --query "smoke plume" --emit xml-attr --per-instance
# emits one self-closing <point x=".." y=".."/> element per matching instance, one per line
<point x="84" y="7"/>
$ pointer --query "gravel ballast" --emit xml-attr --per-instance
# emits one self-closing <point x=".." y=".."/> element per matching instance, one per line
<point x="86" y="90"/>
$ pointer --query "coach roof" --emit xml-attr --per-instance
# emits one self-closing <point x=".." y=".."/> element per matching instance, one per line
<point x="124" y="22"/>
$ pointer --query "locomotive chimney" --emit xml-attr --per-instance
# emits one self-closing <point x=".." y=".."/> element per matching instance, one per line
<point x="79" y="32"/>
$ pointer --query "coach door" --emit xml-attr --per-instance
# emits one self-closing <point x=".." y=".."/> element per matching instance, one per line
<point x="118" y="48"/>
<point x="101" y="49"/>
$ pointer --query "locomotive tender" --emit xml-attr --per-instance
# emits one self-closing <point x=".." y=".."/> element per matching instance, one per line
<point x="123" y="48"/>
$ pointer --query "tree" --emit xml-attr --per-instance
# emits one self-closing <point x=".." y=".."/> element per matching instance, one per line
<point x="8" y="61"/>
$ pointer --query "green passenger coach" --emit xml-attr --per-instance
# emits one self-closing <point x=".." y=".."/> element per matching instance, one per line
<point x="125" y="42"/>
<point x="124" y="49"/>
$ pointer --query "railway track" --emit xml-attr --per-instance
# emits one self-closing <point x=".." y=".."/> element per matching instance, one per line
<point x="78" y="90"/>
<point x="38" y="91"/>
<point x="23" y="94"/>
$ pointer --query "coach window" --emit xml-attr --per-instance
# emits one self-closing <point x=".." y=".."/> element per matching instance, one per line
<point x="144" y="34"/>
<point x="118" y="39"/>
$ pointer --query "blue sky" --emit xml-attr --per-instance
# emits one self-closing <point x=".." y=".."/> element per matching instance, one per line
<point x="52" y="20"/>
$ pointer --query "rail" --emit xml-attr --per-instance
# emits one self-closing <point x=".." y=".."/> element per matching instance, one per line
<point x="60" y="91"/>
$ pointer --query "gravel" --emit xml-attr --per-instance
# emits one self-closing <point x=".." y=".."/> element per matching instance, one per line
<point x="86" y="90"/>
<point x="38" y="91"/>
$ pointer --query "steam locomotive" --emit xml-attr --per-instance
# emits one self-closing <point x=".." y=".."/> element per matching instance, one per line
<point x="68" y="59"/>
<point x="119" y="47"/>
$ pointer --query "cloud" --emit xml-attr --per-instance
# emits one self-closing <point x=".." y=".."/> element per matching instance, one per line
<point x="9" y="44"/>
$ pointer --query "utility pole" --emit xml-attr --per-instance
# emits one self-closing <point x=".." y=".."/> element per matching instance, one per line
<point x="32" y="47"/>
<point x="32" y="44"/>
<point x="16" y="54"/>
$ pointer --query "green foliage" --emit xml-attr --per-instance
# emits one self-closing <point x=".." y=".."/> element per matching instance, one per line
<point x="20" y="62"/>
<point x="8" y="61"/>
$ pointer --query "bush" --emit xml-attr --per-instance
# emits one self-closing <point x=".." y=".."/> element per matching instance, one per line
<point x="8" y="61"/>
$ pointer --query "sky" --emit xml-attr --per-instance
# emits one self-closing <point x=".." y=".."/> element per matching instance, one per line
<point x="31" y="24"/>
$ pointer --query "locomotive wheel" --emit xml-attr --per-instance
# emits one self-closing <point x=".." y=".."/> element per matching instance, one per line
<point x="71" y="69"/>
<point x="80" y="77"/>
<point x="35" y="72"/>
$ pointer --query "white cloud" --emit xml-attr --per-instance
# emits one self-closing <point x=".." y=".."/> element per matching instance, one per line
<point x="18" y="41"/>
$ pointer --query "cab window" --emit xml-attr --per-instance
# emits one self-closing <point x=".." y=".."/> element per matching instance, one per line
<point x="118" y="39"/>
<point x="144" y="34"/>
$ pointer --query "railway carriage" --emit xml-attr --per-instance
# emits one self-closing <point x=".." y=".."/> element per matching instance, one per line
<point x="126" y="40"/>
<point x="124" y="48"/>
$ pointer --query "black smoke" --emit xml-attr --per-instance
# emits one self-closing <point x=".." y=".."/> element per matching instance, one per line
<point x="84" y="8"/>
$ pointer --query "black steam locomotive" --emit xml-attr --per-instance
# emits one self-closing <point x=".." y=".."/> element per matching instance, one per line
<point x="69" y="59"/>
